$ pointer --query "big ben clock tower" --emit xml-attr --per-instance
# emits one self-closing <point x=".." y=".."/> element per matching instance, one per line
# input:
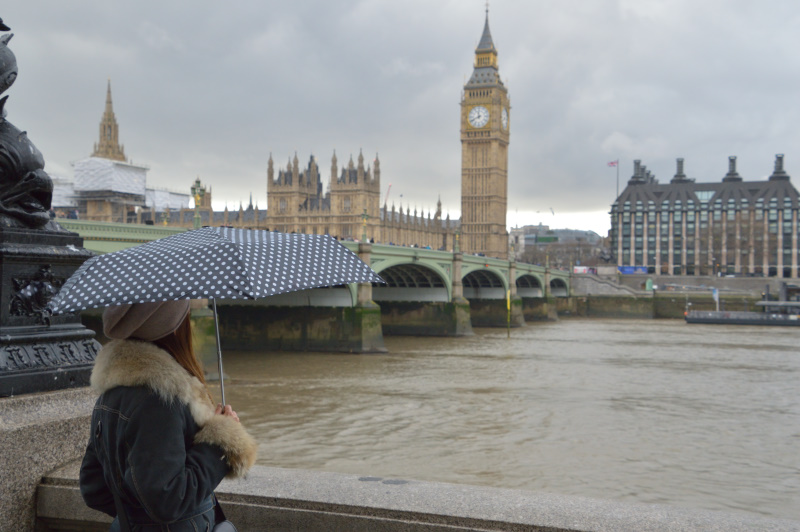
<point x="484" y="155"/>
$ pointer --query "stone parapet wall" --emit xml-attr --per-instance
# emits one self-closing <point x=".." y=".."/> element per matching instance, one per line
<point x="37" y="432"/>
<point x="290" y="499"/>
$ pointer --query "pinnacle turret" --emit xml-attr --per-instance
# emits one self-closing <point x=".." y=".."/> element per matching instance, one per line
<point x="108" y="146"/>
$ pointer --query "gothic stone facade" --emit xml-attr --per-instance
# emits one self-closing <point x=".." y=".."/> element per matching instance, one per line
<point x="733" y="227"/>
<point x="350" y="209"/>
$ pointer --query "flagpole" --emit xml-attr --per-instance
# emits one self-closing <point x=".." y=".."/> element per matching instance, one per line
<point x="617" y="179"/>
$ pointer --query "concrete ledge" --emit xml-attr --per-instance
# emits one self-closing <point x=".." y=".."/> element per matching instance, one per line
<point x="287" y="499"/>
<point x="37" y="431"/>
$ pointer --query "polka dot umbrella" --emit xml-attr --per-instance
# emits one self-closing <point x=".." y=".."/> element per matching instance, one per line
<point x="211" y="263"/>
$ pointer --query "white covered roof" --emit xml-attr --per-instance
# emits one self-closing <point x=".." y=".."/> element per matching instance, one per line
<point x="95" y="173"/>
<point x="161" y="199"/>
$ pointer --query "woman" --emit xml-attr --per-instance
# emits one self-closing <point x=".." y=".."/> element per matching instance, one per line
<point x="157" y="442"/>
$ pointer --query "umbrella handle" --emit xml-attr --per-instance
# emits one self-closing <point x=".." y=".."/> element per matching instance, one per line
<point x="219" y="353"/>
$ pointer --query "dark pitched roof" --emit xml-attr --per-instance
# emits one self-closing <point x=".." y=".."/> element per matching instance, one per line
<point x="486" y="39"/>
<point x="700" y="193"/>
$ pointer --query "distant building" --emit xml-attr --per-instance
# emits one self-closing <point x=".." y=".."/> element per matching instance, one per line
<point x="106" y="186"/>
<point x="731" y="227"/>
<point x="350" y="208"/>
<point x="63" y="195"/>
<point x="539" y="244"/>
<point x="297" y="201"/>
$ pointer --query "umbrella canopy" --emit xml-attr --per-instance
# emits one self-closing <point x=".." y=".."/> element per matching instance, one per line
<point x="211" y="263"/>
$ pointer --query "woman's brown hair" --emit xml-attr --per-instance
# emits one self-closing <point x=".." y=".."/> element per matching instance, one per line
<point x="179" y="345"/>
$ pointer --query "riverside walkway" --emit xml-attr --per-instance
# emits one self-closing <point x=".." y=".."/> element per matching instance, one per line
<point x="314" y="501"/>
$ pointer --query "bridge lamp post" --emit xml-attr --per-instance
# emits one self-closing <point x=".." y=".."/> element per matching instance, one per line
<point x="364" y="226"/>
<point x="198" y="192"/>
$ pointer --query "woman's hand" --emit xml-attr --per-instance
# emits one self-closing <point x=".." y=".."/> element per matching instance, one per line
<point x="227" y="411"/>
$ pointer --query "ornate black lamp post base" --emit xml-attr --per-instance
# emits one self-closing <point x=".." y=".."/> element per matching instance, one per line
<point x="38" y="352"/>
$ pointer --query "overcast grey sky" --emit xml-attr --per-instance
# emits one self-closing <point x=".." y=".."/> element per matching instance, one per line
<point x="210" y="89"/>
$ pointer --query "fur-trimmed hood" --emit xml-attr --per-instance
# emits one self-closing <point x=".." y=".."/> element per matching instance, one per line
<point x="135" y="363"/>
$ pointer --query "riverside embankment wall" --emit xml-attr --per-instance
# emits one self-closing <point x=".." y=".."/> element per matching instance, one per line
<point x="667" y="305"/>
<point x="626" y="297"/>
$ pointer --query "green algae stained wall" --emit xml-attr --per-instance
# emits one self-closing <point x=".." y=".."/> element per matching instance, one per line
<point x="614" y="307"/>
<point x="661" y="306"/>
<point x="494" y="312"/>
<point x="674" y="305"/>
<point x="539" y="309"/>
<point x="349" y="329"/>
<point x="419" y="318"/>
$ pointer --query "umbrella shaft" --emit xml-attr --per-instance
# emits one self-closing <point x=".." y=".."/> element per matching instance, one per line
<point x="219" y="353"/>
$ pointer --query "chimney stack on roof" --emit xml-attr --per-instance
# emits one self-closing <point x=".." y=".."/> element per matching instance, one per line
<point x="679" y="176"/>
<point x="636" y="178"/>
<point x="732" y="174"/>
<point x="779" y="174"/>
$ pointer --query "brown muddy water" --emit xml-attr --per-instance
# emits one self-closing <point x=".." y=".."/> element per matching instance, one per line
<point x="651" y="411"/>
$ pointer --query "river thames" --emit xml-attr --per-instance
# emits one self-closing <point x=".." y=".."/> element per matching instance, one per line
<point x="651" y="411"/>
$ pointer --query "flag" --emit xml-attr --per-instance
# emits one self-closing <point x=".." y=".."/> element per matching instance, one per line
<point x="613" y="163"/>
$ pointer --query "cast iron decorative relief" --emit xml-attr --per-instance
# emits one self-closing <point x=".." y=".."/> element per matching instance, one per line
<point x="44" y="356"/>
<point x="33" y="293"/>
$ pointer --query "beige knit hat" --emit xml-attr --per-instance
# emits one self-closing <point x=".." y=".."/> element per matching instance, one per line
<point x="144" y="321"/>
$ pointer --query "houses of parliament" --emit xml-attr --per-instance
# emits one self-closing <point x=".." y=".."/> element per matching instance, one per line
<point x="108" y="188"/>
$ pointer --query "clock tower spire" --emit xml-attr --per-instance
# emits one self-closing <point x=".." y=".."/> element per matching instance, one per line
<point x="484" y="154"/>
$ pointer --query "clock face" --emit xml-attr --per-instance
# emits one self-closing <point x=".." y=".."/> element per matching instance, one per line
<point x="478" y="116"/>
<point x="504" y="118"/>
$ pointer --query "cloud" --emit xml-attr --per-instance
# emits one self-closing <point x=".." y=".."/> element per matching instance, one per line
<point x="159" y="38"/>
<point x="402" y="67"/>
<point x="209" y="89"/>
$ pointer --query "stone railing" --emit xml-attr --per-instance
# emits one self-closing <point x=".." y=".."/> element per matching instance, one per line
<point x="300" y="500"/>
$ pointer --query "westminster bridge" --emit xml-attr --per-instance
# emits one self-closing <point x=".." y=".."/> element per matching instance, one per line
<point x="427" y="292"/>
